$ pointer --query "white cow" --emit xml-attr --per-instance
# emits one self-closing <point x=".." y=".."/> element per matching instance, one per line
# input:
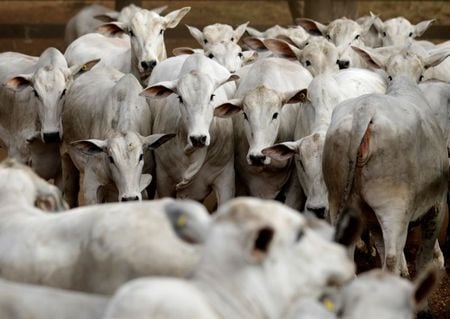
<point x="268" y="100"/>
<point x="297" y="34"/>
<point x="96" y="248"/>
<point x="22" y="301"/>
<point x="32" y="95"/>
<point x="377" y="294"/>
<point x="90" y="17"/>
<point x="324" y="93"/>
<point x="259" y="256"/>
<point x="395" y="167"/>
<point x="200" y="158"/>
<point x="138" y="55"/>
<point x="216" y="33"/>
<point x="343" y="33"/>
<point x="108" y="128"/>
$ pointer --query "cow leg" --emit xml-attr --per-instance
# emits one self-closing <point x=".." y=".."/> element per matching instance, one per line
<point x="70" y="180"/>
<point x="224" y="184"/>
<point x="431" y="225"/>
<point x="394" y="227"/>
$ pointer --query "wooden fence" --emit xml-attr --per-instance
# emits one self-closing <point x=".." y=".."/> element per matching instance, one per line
<point x="30" y="26"/>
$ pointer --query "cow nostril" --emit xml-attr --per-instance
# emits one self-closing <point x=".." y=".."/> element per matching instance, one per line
<point x="318" y="211"/>
<point x="343" y="64"/>
<point x="203" y="139"/>
<point x="152" y="64"/>
<point x="198" y="140"/>
<point x="52" y="137"/>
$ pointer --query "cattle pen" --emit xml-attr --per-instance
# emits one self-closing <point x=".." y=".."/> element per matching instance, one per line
<point x="32" y="26"/>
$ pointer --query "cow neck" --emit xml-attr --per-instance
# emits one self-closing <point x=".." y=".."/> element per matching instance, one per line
<point x="134" y="63"/>
<point x="402" y="86"/>
<point x="239" y="294"/>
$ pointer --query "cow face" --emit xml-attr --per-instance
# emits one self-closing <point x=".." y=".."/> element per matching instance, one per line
<point x="229" y="55"/>
<point x="269" y="240"/>
<point x="146" y="31"/>
<point x="123" y="155"/>
<point x="343" y="33"/>
<point x="217" y="33"/>
<point x="404" y="63"/>
<point x="262" y="112"/>
<point x="46" y="89"/>
<point x="308" y="161"/>
<point x="399" y="31"/>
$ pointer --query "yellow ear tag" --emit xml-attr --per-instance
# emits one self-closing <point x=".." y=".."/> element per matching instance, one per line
<point x="181" y="222"/>
<point x="329" y="304"/>
<point x="84" y="67"/>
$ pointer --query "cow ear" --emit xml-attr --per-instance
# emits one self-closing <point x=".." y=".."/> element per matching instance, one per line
<point x="144" y="181"/>
<point x="367" y="23"/>
<point x="256" y="44"/>
<point x="283" y="49"/>
<point x="282" y="151"/>
<point x="79" y="69"/>
<point x="435" y="59"/>
<point x="373" y="59"/>
<point x="90" y="147"/>
<point x="311" y="26"/>
<point x="112" y="28"/>
<point x="156" y="140"/>
<point x="228" y="108"/>
<point x="174" y="17"/>
<point x="196" y="34"/>
<point x="159" y="10"/>
<point x="160" y="90"/>
<point x="108" y="16"/>
<point x="255" y="33"/>
<point x="261" y="243"/>
<point x="424" y="285"/>
<point x="239" y="32"/>
<point x="182" y="51"/>
<point x="378" y="23"/>
<point x="19" y="82"/>
<point x="294" y="97"/>
<point x="421" y="27"/>
<point x="349" y="227"/>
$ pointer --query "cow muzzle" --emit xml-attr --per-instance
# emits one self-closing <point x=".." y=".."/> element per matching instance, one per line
<point x="129" y="198"/>
<point x="343" y="64"/>
<point x="257" y="160"/>
<point x="198" y="140"/>
<point x="51" y="137"/>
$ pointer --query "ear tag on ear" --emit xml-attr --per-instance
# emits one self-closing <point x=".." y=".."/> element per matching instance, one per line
<point x="84" y="68"/>
<point x="181" y="221"/>
<point x="328" y="304"/>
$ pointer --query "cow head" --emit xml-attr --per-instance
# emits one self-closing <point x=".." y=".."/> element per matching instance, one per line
<point x="146" y="31"/>
<point x="343" y="33"/>
<point x="217" y="33"/>
<point x="47" y="88"/>
<point x="262" y="111"/>
<point x="308" y="161"/>
<point x="123" y="156"/>
<point x="399" y="31"/>
<point x="194" y="94"/>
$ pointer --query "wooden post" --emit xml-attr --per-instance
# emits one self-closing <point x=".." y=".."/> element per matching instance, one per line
<point x="327" y="10"/>
<point x="123" y="3"/>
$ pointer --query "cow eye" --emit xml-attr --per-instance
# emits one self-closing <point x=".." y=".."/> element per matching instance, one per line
<point x="141" y="157"/>
<point x="328" y="37"/>
<point x="111" y="160"/>
<point x="384" y="34"/>
<point x="161" y="31"/>
<point x="63" y="93"/>
<point x="300" y="234"/>
<point x="210" y="55"/>
<point x="180" y="99"/>
<point x="245" y="116"/>
<point x="232" y="39"/>
<point x="308" y="63"/>
<point x="390" y="78"/>
<point x="205" y="41"/>
<point x="131" y="33"/>
<point x="357" y="37"/>
<point x="212" y="97"/>
<point x="410" y="34"/>
<point x="36" y="94"/>
<point x="420" y="78"/>
<point x="275" y="115"/>
<point x="240" y="55"/>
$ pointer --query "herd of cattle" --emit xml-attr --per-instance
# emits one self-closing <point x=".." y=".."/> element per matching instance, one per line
<point x="347" y="122"/>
